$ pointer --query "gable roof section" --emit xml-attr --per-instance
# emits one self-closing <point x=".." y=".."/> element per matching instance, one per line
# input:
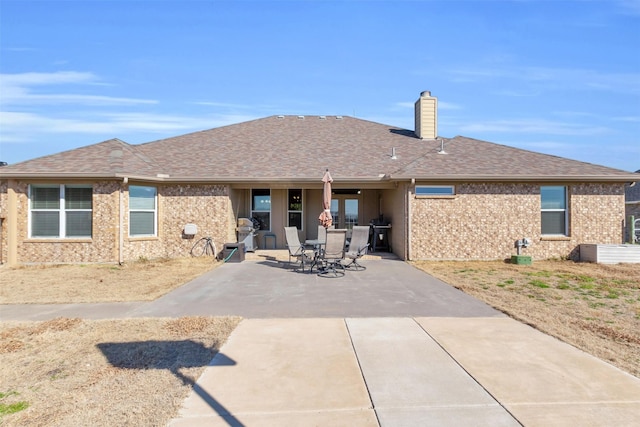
<point x="103" y="160"/>
<point x="300" y="148"/>
<point x="473" y="159"/>
<point x="285" y="148"/>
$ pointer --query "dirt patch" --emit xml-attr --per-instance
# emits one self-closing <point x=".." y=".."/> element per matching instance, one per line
<point x="594" y="307"/>
<point x="89" y="283"/>
<point x="104" y="372"/>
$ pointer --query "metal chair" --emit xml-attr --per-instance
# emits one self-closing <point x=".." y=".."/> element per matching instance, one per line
<point x="296" y="249"/>
<point x="358" y="247"/>
<point x="333" y="254"/>
<point x="322" y="234"/>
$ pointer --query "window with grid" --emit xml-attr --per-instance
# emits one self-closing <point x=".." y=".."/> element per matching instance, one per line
<point x="553" y="200"/>
<point x="142" y="211"/>
<point x="60" y="211"/>
<point x="294" y="207"/>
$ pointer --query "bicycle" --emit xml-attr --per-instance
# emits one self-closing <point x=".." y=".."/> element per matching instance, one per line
<point x="204" y="246"/>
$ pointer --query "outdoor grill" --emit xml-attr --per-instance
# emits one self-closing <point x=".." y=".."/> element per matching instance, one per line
<point x="379" y="230"/>
<point x="247" y="234"/>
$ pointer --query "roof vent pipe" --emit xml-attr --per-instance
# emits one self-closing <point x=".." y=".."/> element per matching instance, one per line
<point x="441" y="151"/>
<point x="393" y="153"/>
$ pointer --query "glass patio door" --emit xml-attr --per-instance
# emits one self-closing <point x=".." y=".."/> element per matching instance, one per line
<point x="344" y="211"/>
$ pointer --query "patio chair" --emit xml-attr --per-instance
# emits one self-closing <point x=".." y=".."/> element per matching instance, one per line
<point x="333" y="254"/>
<point x="358" y="247"/>
<point x="296" y="249"/>
<point x="322" y="234"/>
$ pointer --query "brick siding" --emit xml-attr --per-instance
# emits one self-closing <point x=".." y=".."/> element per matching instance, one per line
<point x="207" y="206"/>
<point x="484" y="220"/>
<point x="481" y="222"/>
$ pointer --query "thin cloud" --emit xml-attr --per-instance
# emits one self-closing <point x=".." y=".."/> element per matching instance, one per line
<point x="629" y="7"/>
<point x="628" y="119"/>
<point x="33" y="79"/>
<point x="18" y="89"/>
<point x="532" y="126"/>
<point x="23" y="127"/>
<point x="567" y="78"/>
<point x="18" y="98"/>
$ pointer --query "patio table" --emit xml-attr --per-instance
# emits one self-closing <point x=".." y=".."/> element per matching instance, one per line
<point x="317" y="249"/>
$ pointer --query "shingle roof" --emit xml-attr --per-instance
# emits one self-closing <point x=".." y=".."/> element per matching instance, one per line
<point x="297" y="148"/>
<point x="104" y="159"/>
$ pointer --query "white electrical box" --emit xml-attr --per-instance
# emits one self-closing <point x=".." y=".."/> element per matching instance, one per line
<point x="190" y="229"/>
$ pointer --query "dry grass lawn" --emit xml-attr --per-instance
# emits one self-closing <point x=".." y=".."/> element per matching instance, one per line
<point x="85" y="283"/>
<point x="73" y="372"/>
<point x="132" y="372"/>
<point x="594" y="307"/>
<point x="68" y="372"/>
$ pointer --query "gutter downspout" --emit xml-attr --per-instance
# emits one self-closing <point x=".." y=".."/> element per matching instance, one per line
<point x="409" y="213"/>
<point x="125" y="181"/>
<point x="12" y="223"/>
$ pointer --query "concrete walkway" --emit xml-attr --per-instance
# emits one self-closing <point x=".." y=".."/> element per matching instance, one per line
<point x="406" y="372"/>
<point x="388" y="346"/>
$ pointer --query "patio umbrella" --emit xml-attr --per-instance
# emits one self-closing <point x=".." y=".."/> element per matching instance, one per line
<point x="325" y="217"/>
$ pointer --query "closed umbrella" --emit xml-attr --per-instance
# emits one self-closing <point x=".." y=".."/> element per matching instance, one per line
<point x="325" y="217"/>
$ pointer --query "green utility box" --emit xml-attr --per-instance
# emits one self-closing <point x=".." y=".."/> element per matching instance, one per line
<point x="521" y="259"/>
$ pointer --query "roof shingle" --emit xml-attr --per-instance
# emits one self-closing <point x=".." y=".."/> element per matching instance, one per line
<point x="296" y="148"/>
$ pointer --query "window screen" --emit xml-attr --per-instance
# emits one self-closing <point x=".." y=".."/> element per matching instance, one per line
<point x="142" y="211"/>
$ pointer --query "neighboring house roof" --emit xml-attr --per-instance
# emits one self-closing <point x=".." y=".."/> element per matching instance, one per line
<point x="300" y="148"/>
<point x="632" y="194"/>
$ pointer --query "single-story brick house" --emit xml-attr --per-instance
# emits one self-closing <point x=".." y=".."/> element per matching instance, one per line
<point x="445" y="198"/>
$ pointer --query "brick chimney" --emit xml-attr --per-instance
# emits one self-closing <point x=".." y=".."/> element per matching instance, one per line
<point x="426" y="111"/>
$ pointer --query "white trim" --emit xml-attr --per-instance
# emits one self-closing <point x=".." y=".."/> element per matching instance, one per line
<point x="154" y="211"/>
<point x="565" y="211"/>
<point x="62" y="211"/>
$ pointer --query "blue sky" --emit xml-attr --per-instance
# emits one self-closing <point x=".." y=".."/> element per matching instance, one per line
<point x="558" y="77"/>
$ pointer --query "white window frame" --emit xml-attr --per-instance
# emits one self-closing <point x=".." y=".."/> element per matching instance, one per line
<point x="154" y="211"/>
<point x="61" y="210"/>
<point x="565" y="211"/>
<point x="435" y="193"/>
<point x="289" y="211"/>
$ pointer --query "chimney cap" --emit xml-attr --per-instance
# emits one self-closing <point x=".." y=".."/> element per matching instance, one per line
<point x="425" y="93"/>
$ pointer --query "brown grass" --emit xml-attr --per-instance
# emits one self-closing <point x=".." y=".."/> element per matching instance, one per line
<point x="594" y="307"/>
<point x="75" y="372"/>
<point x="136" y="281"/>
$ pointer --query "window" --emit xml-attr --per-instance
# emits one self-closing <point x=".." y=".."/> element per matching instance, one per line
<point x="435" y="190"/>
<point x="294" y="207"/>
<point x="60" y="211"/>
<point x="554" y="210"/>
<point x="261" y="207"/>
<point x="142" y="211"/>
